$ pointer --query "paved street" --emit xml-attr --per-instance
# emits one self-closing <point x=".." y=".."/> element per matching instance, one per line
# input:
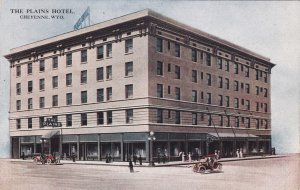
<point x="276" y="174"/>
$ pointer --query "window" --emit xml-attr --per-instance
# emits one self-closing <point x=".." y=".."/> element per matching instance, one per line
<point x="83" y="56"/>
<point x="159" y="45"/>
<point x="129" y="69"/>
<point x="109" y="117"/>
<point x="159" y="90"/>
<point x="108" y="72"/>
<point x="54" y="62"/>
<point x="177" y="72"/>
<point x="266" y="124"/>
<point x="30" y="86"/>
<point x="202" y="95"/>
<point x="69" y="79"/>
<point x="41" y="121"/>
<point x="99" y="73"/>
<point x="29" y="68"/>
<point x="221" y="120"/>
<point x="266" y="107"/>
<point x="208" y="98"/>
<point x="128" y="46"/>
<point x="83" y="97"/>
<point x="83" y="119"/>
<point x="55" y="82"/>
<point x="42" y="84"/>
<point x="42" y="102"/>
<point x="177" y="93"/>
<point x="257" y="90"/>
<point x="69" y="59"/>
<point x="220" y="65"/>
<point x="194" y="55"/>
<point x="169" y="45"/>
<point x="227" y="103"/>
<point x="177" y="117"/>
<point x="220" y="98"/>
<point x="69" y="120"/>
<point x="220" y="82"/>
<point x="247" y="122"/>
<point x="29" y="123"/>
<point x="42" y="65"/>
<point x="129" y="116"/>
<point x="227" y="83"/>
<point x="29" y="103"/>
<point x="208" y="77"/>
<point x="109" y="50"/>
<point x="257" y="123"/>
<point x="159" y="118"/>
<point x="246" y="71"/>
<point x="18" y="123"/>
<point x="266" y="92"/>
<point x="18" y="88"/>
<point x="208" y="59"/>
<point x="236" y="122"/>
<point x="257" y="106"/>
<point x="247" y="87"/>
<point x="236" y="103"/>
<point x="228" y="121"/>
<point x="236" y="68"/>
<point x="266" y="78"/>
<point x="18" y="104"/>
<point x="194" y="96"/>
<point x="100" y="95"/>
<point x="194" y="119"/>
<point x="248" y="104"/>
<point x="100" y="53"/>
<point x="209" y="119"/>
<point x="18" y="70"/>
<point x="69" y="98"/>
<point x="100" y="118"/>
<point x="236" y="85"/>
<point x="55" y="100"/>
<point x="177" y="50"/>
<point x="169" y="67"/>
<point x="169" y="89"/>
<point x="194" y="76"/>
<point x="128" y="91"/>
<point x="256" y="74"/>
<point x="159" y="68"/>
<point x="226" y="65"/>
<point x="109" y="93"/>
<point x="83" y="77"/>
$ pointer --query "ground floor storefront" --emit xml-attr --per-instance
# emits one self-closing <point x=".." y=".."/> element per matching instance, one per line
<point x="123" y="146"/>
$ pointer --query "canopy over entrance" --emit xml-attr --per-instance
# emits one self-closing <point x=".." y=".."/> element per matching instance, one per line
<point x="50" y="134"/>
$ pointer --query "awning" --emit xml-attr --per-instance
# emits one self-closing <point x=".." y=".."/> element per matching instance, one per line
<point x="232" y="135"/>
<point x="50" y="134"/>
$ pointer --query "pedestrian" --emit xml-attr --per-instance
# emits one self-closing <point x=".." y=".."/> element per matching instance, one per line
<point x="182" y="157"/>
<point x="164" y="158"/>
<point x="216" y="154"/>
<point x="23" y="155"/>
<point x="73" y="156"/>
<point x="134" y="159"/>
<point x="109" y="158"/>
<point x="219" y="154"/>
<point x="140" y="159"/>
<point x="190" y="157"/>
<point x="106" y="158"/>
<point x="237" y="153"/>
<point x="158" y="158"/>
<point x="130" y="166"/>
<point x="241" y="153"/>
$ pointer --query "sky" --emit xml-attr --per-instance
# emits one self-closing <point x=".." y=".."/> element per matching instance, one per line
<point x="268" y="28"/>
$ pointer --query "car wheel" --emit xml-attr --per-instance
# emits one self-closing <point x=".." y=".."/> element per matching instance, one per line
<point x="201" y="169"/>
<point x="48" y="161"/>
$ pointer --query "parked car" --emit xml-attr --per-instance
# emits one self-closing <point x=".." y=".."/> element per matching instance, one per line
<point x="207" y="163"/>
<point x="46" y="158"/>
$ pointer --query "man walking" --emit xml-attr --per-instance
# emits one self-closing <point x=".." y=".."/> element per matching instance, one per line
<point x="130" y="166"/>
<point x="140" y="159"/>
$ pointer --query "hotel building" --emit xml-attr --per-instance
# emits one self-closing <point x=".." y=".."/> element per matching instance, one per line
<point x="112" y="83"/>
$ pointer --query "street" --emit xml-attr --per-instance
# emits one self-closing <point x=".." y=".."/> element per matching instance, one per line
<point x="276" y="174"/>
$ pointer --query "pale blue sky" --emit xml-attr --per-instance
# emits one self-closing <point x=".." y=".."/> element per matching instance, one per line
<point x="269" y="28"/>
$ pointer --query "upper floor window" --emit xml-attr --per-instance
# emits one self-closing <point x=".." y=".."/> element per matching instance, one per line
<point x="108" y="72"/>
<point x="18" y="123"/>
<point x="236" y="68"/>
<point x="236" y="85"/>
<point x="30" y="103"/>
<point x="221" y="120"/>
<point x="100" y="118"/>
<point x="220" y="100"/>
<point x="247" y="87"/>
<point x="83" y="77"/>
<point x="99" y="73"/>
<point x="257" y="123"/>
<point x="69" y="59"/>
<point x="177" y="117"/>
<point x="194" y="55"/>
<point x="83" y="119"/>
<point x="128" y="46"/>
<point x="129" y="69"/>
<point x="30" y="86"/>
<point x="29" y="68"/>
<point x="246" y="71"/>
<point x="100" y="95"/>
<point x="55" y="62"/>
<point x="266" y="77"/>
<point x="266" y="92"/>
<point x="159" y="45"/>
<point x="194" y="119"/>
<point x="208" y="76"/>
<point x="29" y="123"/>
<point x="248" y="104"/>
<point x="194" y="76"/>
<point x="109" y="50"/>
<point x="177" y="72"/>
<point x="129" y="116"/>
<point x="109" y="117"/>
<point x="208" y="59"/>
<point x="220" y="83"/>
<point x="177" y="93"/>
<point x="69" y="79"/>
<point x="159" y="116"/>
<point x="18" y="88"/>
<point x="83" y="97"/>
<point x="42" y="102"/>
<point x="54" y="100"/>
<point x="100" y="52"/>
<point x="159" y="90"/>
<point x="83" y="56"/>
<point x="42" y="84"/>
<point x="159" y="68"/>
<point x="18" y="70"/>
<point x="109" y="93"/>
<point x="177" y="50"/>
<point x="128" y="91"/>
<point x="226" y="65"/>
<point x="208" y="98"/>
<point x="220" y="64"/>
<point x="69" y="99"/>
<point x="227" y="83"/>
<point x="236" y="103"/>
<point x="69" y="120"/>
<point x="194" y="96"/>
<point x="42" y="65"/>
<point x="18" y="104"/>
<point x="55" y="82"/>
<point x="227" y="102"/>
<point x="236" y="122"/>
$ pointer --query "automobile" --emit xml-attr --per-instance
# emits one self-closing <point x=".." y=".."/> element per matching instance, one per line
<point x="207" y="163"/>
<point x="48" y="158"/>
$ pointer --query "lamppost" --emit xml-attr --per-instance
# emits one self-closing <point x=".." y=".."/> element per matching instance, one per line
<point x="151" y="138"/>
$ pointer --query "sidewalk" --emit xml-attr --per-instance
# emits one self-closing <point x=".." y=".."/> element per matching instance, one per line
<point x="175" y="163"/>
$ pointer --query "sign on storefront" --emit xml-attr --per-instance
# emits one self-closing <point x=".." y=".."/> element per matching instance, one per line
<point x="50" y="122"/>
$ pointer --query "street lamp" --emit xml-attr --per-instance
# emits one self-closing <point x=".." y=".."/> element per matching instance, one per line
<point x="151" y="138"/>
